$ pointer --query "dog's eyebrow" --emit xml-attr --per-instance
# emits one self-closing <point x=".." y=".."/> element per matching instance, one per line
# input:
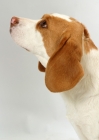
<point x="42" y="16"/>
<point x="46" y="16"/>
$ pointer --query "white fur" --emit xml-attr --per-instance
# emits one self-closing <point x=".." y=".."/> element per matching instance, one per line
<point x="62" y="16"/>
<point x="26" y="35"/>
<point x="82" y="101"/>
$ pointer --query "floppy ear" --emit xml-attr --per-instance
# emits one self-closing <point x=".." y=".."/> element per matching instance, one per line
<point x="41" y="67"/>
<point x="64" y="70"/>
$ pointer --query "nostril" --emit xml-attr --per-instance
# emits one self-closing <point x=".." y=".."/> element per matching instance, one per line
<point x="14" y="21"/>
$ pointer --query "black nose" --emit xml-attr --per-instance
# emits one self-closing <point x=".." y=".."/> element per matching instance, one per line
<point x="14" y="21"/>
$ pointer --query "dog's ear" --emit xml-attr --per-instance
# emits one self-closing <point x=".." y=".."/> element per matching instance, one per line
<point x="41" y="67"/>
<point x="88" y="43"/>
<point x="64" y="70"/>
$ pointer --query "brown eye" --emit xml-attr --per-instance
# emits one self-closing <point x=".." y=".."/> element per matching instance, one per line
<point x="43" y="24"/>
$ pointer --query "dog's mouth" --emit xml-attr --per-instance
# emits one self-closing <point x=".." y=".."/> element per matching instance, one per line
<point x="27" y="50"/>
<point x="10" y="30"/>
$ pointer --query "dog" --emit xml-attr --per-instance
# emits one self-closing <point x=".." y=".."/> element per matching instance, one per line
<point x="70" y="61"/>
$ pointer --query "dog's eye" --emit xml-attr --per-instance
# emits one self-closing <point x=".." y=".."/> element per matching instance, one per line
<point x="43" y="24"/>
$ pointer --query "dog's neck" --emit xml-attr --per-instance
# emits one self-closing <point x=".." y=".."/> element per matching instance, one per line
<point x="89" y="85"/>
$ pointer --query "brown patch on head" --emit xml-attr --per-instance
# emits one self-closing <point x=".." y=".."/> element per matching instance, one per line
<point x="53" y="32"/>
<point x="53" y="29"/>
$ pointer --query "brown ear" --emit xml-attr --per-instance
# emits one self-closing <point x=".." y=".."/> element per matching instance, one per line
<point x="41" y="67"/>
<point x="64" y="70"/>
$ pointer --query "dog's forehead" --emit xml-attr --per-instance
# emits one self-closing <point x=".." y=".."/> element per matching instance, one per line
<point x="62" y="16"/>
<point x="67" y="18"/>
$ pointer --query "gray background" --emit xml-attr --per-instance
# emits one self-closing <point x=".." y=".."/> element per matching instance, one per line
<point x="28" y="111"/>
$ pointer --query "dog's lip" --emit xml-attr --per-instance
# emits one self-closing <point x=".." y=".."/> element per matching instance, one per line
<point x="27" y="50"/>
<point x="10" y="30"/>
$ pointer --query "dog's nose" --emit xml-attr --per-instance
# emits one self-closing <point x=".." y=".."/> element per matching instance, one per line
<point x="14" y="21"/>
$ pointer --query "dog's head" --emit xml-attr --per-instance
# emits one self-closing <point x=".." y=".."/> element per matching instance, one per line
<point x="57" y="41"/>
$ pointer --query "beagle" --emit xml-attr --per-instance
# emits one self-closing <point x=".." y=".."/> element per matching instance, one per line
<point x="70" y="61"/>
